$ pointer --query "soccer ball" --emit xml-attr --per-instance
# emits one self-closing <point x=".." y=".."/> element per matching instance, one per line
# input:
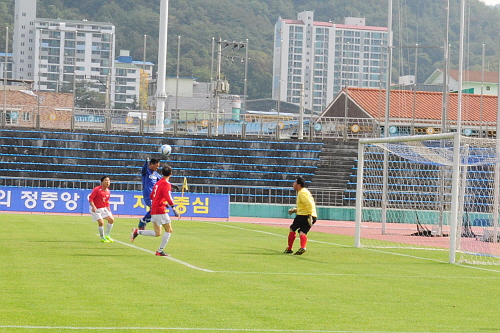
<point x="165" y="150"/>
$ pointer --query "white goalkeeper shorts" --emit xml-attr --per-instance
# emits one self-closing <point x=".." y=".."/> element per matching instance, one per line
<point x="160" y="219"/>
<point x="100" y="213"/>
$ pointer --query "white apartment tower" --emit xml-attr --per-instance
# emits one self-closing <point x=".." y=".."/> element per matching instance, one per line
<point x="24" y="45"/>
<point x="318" y="59"/>
<point x="54" y="52"/>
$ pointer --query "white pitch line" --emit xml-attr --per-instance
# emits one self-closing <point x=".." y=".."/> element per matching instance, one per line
<point x="273" y="234"/>
<point x="348" y="246"/>
<point x="169" y="258"/>
<point x="316" y="274"/>
<point x="199" y="329"/>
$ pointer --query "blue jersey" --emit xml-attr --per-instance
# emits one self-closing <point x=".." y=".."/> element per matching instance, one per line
<point x="149" y="179"/>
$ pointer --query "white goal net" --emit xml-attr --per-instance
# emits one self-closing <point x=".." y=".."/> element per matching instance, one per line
<point x="434" y="192"/>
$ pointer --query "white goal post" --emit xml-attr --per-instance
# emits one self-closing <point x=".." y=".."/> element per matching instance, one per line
<point x="433" y="192"/>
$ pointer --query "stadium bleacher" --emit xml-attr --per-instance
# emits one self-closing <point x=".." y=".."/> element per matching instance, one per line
<point x="85" y="156"/>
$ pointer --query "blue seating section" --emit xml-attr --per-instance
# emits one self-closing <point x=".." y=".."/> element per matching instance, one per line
<point x="87" y="156"/>
<point x="421" y="185"/>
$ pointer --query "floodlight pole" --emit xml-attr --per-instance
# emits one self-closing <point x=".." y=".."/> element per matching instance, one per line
<point x="460" y="67"/>
<point x="496" y="182"/>
<point x="243" y="110"/>
<point x="444" y="111"/>
<point x="161" y="95"/>
<point x="143" y="79"/>
<point x="385" y="172"/>
<point x="482" y="95"/>
<point x="177" y="111"/>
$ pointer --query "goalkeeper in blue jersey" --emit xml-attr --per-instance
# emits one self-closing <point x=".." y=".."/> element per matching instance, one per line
<point x="149" y="178"/>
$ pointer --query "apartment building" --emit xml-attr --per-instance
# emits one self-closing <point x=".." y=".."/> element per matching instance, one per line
<point x="55" y="53"/>
<point x="313" y="61"/>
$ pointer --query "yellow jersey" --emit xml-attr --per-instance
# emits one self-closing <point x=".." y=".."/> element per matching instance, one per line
<point x="305" y="203"/>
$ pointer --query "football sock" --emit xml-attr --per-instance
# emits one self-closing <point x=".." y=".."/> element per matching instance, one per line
<point x="147" y="217"/>
<point x="149" y="233"/>
<point x="101" y="231"/>
<point x="291" y="239"/>
<point x="164" y="241"/>
<point x="109" y="226"/>
<point x="303" y="241"/>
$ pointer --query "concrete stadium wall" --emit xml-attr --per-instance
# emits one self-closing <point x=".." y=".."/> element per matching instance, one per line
<point x="281" y="211"/>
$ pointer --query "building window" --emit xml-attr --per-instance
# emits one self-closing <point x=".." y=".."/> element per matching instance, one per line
<point x="11" y="117"/>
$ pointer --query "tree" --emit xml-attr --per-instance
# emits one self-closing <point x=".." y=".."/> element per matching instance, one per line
<point x="85" y="97"/>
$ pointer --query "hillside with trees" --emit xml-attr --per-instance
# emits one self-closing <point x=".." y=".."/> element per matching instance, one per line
<point x="198" y="21"/>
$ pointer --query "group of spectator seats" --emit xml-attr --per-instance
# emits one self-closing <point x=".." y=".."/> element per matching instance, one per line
<point x="79" y="160"/>
<point x="420" y="186"/>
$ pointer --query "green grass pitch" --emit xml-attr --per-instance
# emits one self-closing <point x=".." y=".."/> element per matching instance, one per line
<point x="56" y="276"/>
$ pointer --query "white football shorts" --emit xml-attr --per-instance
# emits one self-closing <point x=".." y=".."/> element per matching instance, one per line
<point x="100" y="213"/>
<point x="160" y="219"/>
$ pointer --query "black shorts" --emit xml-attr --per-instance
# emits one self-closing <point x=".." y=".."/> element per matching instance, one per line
<point x="300" y="223"/>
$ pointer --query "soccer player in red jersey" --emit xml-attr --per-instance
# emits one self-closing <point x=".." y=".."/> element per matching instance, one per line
<point x="161" y="198"/>
<point x="99" y="208"/>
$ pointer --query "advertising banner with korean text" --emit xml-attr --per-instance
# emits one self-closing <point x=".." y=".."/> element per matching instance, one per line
<point x="18" y="199"/>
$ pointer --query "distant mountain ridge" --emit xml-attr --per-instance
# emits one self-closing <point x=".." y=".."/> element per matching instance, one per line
<point x="198" y="21"/>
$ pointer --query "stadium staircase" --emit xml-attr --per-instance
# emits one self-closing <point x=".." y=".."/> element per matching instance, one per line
<point x="335" y="168"/>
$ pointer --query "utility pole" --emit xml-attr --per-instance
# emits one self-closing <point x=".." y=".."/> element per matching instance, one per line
<point x="219" y="87"/>
<point x="222" y="86"/>
<point x="301" y="113"/>
<point x="5" y="78"/>
<point x="278" y="107"/>
<point x="212" y="88"/>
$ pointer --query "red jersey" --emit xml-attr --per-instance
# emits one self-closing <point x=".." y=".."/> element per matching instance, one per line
<point x="100" y="197"/>
<point x="161" y="195"/>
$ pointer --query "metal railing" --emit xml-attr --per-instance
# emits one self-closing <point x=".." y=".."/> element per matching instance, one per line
<point x="203" y="123"/>
<point x="247" y="194"/>
<point x="206" y="123"/>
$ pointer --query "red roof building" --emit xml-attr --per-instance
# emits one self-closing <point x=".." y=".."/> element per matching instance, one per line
<point x="25" y="108"/>
<point x="422" y="108"/>
<point x="474" y="82"/>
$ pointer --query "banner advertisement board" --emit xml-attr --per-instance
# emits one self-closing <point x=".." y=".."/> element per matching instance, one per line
<point x="43" y="200"/>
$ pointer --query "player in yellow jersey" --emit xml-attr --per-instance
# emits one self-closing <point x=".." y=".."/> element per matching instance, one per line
<point x="305" y="218"/>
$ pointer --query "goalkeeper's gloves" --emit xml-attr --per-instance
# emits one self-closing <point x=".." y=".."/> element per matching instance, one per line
<point x="175" y="212"/>
<point x="292" y="210"/>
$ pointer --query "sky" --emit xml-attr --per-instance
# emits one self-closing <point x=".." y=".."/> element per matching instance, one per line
<point x="491" y="2"/>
